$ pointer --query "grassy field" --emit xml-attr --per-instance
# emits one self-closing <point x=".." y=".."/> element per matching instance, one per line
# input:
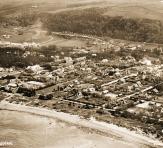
<point x="151" y="9"/>
<point x="10" y="7"/>
<point x="133" y="8"/>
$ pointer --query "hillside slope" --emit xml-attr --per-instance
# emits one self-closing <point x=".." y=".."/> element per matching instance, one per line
<point x="93" y="21"/>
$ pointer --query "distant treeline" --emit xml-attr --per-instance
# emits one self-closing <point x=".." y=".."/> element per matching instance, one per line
<point x="11" y="56"/>
<point x="92" y="21"/>
<point x="23" y="19"/>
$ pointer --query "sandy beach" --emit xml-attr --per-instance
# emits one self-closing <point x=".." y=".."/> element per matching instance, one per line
<point x="41" y="128"/>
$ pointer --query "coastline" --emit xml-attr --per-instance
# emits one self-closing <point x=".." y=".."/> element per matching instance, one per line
<point x="93" y="124"/>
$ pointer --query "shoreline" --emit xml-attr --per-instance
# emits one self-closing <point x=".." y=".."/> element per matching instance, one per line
<point x="124" y="133"/>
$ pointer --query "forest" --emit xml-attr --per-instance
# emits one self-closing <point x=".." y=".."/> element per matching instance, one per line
<point x="24" y="19"/>
<point x="92" y="21"/>
<point x="11" y="56"/>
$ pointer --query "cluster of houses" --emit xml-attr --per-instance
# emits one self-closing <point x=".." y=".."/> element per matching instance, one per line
<point x="104" y="85"/>
<point x="24" y="45"/>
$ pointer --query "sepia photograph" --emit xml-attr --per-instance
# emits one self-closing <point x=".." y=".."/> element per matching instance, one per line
<point x="81" y="73"/>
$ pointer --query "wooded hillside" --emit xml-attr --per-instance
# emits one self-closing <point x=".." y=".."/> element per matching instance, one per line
<point x="93" y="22"/>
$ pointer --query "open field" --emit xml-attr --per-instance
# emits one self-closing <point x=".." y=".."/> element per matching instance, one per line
<point x="154" y="5"/>
<point x="8" y="7"/>
<point x="151" y="9"/>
